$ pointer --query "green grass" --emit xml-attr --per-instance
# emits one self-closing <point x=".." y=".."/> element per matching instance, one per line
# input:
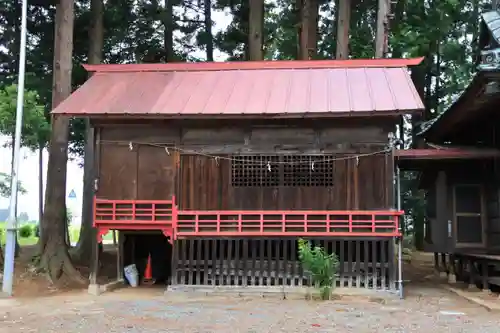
<point x="74" y="234"/>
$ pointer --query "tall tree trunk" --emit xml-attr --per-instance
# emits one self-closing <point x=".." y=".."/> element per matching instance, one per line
<point x="308" y="33"/>
<point x="476" y="51"/>
<point x="54" y="257"/>
<point x="83" y="250"/>
<point x="256" y="28"/>
<point x="169" y="31"/>
<point x="208" y="30"/>
<point x="382" y="34"/>
<point x="344" y="22"/>
<point x="398" y="18"/>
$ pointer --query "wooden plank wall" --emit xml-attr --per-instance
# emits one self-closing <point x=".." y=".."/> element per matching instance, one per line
<point x="205" y="183"/>
<point x="201" y="182"/>
<point x="143" y="173"/>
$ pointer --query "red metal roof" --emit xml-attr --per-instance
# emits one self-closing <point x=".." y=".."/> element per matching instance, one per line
<point x="269" y="88"/>
<point x="248" y="65"/>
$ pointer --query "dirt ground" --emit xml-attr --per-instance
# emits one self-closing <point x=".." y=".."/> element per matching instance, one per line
<point x="29" y="284"/>
<point x="426" y="308"/>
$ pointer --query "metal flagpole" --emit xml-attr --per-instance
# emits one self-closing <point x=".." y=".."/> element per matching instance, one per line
<point x="10" y="246"/>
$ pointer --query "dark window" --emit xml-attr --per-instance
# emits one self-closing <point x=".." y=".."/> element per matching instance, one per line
<point x="304" y="170"/>
<point x="468" y="199"/>
<point x="282" y="170"/>
<point x="254" y="171"/>
<point x="469" y="229"/>
<point x="468" y="214"/>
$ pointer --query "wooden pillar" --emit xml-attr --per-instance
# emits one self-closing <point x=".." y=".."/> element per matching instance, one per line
<point x="452" y="278"/>
<point x="472" y="274"/>
<point x="484" y="276"/>
<point x="460" y="269"/>
<point x="94" y="269"/>
<point x="94" y="288"/>
<point x="173" y="265"/>
<point x="445" y="266"/>
<point x="119" y="256"/>
<point x="436" y="264"/>
<point x="344" y="21"/>
<point x="382" y="33"/>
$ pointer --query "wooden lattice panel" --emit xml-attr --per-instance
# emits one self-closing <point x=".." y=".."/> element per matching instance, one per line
<point x="255" y="171"/>
<point x="307" y="170"/>
<point x="282" y="170"/>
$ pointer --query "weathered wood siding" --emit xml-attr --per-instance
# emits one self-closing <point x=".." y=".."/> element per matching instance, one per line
<point x="438" y="212"/>
<point x="143" y="172"/>
<point x="203" y="182"/>
<point x="472" y="177"/>
<point x="206" y="184"/>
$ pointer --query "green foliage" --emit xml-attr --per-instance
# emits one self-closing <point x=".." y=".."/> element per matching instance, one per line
<point x="25" y="231"/>
<point x="323" y="267"/>
<point x="35" y="130"/>
<point x="5" y="182"/>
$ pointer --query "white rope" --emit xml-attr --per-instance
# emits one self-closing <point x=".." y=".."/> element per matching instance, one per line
<point x="168" y="147"/>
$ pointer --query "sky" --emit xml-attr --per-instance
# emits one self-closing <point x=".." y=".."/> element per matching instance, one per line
<point x="28" y="168"/>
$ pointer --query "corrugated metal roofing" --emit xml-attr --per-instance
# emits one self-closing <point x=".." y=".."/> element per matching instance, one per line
<point x="249" y="65"/>
<point x="492" y="21"/>
<point x="253" y="89"/>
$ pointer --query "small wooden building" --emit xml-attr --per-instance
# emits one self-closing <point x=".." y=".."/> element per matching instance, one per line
<point x="234" y="162"/>
<point x="459" y="170"/>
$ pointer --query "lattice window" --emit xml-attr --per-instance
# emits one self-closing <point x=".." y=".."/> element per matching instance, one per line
<point x="307" y="170"/>
<point x="255" y="171"/>
<point x="285" y="170"/>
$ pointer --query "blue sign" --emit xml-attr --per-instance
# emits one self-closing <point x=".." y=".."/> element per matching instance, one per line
<point x="72" y="194"/>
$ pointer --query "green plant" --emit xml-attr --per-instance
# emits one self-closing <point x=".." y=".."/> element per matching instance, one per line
<point x="25" y="231"/>
<point x="321" y="266"/>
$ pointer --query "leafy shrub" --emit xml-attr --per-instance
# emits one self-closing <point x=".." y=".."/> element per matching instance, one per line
<point x="323" y="267"/>
<point x="25" y="231"/>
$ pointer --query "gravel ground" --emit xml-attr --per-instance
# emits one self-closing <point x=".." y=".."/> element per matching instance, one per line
<point x="426" y="309"/>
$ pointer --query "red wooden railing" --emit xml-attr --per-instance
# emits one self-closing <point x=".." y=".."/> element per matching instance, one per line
<point x="135" y="215"/>
<point x="163" y="215"/>
<point x="287" y="223"/>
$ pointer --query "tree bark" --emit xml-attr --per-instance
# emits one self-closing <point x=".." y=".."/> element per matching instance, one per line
<point x="168" y="40"/>
<point x="83" y="251"/>
<point x="256" y="27"/>
<point x="208" y="30"/>
<point x="382" y="34"/>
<point x="54" y="257"/>
<point x="344" y="22"/>
<point x="308" y="30"/>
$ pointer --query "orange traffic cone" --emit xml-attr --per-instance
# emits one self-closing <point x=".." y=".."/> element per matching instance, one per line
<point x="148" y="273"/>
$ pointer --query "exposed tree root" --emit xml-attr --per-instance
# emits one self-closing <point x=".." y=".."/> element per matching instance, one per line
<point x="56" y="262"/>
